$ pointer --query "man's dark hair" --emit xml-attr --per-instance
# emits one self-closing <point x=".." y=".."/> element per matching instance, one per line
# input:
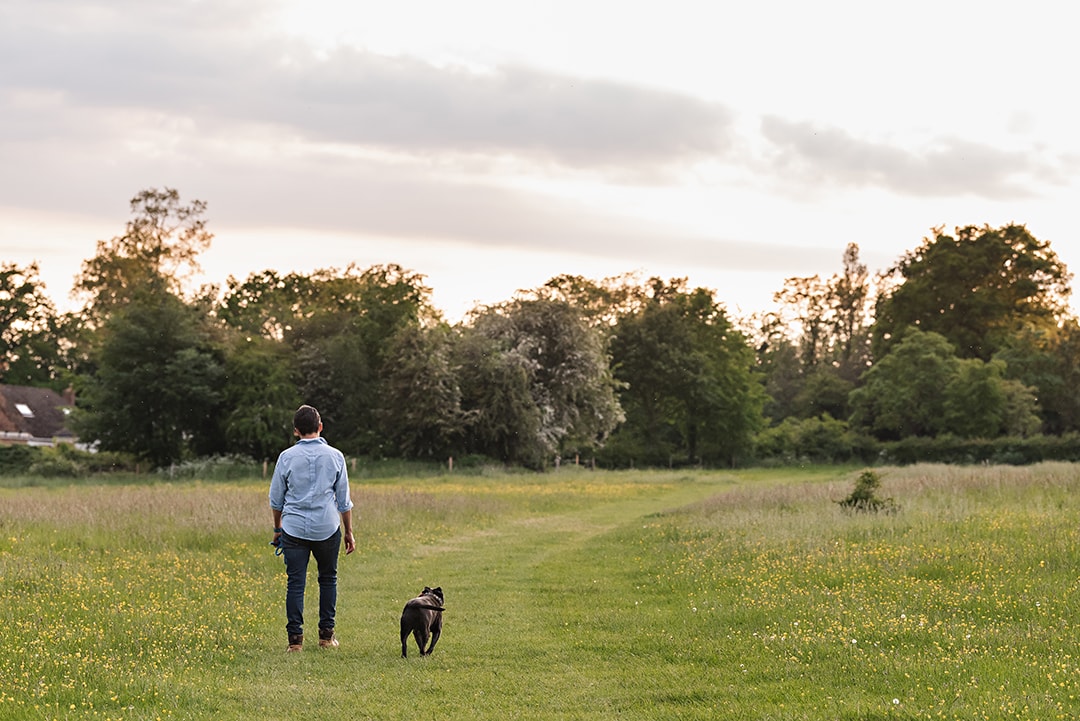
<point x="306" y="420"/>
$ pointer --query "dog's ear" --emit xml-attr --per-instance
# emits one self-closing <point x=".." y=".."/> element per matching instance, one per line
<point x="427" y="589"/>
<point x="437" y="591"/>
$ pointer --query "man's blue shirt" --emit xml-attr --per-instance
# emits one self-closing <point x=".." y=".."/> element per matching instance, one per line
<point x="310" y="487"/>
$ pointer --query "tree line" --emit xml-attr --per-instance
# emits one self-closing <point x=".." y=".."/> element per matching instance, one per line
<point x="967" y="336"/>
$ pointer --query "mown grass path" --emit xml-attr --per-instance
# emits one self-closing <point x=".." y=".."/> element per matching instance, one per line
<point x="544" y="617"/>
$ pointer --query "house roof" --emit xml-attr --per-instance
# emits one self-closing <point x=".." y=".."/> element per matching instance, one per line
<point x="36" y="412"/>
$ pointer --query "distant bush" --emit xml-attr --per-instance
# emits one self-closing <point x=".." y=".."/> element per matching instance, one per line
<point x="1004" y="451"/>
<point x="825" y="440"/>
<point x="56" y="465"/>
<point x="814" y="440"/>
<point x="17" y="459"/>
<point x="863" y="498"/>
<point x="106" y="461"/>
<point x="61" y="461"/>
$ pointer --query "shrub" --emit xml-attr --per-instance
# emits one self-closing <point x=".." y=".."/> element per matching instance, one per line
<point x="61" y="461"/>
<point x="17" y="459"/>
<point x="55" y="465"/>
<point x="106" y="461"/>
<point x="816" y="440"/>
<point x="863" y="498"/>
<point x="1004" y="450"/>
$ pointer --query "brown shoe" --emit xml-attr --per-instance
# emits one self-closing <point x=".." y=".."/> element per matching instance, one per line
<point x="327" y="638"/>
<point x="296" y="642"/>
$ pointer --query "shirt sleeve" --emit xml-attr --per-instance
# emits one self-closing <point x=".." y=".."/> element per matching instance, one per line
<point x="341" y="488"/>
<point x="277" y="486"/>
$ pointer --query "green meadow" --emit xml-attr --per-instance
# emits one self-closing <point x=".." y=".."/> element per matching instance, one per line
<point x="570" y="595"/>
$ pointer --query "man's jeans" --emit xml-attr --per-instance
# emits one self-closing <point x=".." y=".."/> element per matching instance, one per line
<point x="297" y="554"/>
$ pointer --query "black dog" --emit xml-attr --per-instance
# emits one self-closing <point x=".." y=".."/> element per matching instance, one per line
<point x="422" y="617"/>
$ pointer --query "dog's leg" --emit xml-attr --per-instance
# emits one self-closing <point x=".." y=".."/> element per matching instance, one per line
<point x="422" y="639"/>
<point x="404" y="639"/>
<point x="436" y="631"/>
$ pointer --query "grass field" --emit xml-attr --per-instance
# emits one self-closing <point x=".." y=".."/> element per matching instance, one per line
<point x="570" y="595"/>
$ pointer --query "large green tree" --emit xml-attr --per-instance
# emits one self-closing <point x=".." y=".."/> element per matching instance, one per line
<point x="260" y="396"/>
<point x="1047" y="358"/>
<point x="981" y="402"/>
<point x="780" y="368"/>
<point x="151" y="377"/>
<point x="339" y="327"/>
<point x="421" y="414"/>
<point x="922" y="388"/>
<point x="30" y="343"/>
<point x="901" y="395"/>
<point x="535" y="381"/>
<point x="159" y="247"/>
<point x="336" y="329"/>
<point x="977" y="288"/>
<point x="157" y="390"/>
<point x="815" y="346"/>
<point x="503" y="421"/>
<point x="823" y="391"/>
<point x="691" y="393"/>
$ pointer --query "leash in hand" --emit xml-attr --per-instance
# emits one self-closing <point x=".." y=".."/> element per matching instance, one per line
<point x="279" y="547"/>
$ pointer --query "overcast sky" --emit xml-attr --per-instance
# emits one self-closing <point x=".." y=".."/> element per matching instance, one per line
<point x="491" y="145"/>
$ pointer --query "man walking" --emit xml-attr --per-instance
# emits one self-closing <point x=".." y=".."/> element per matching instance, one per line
<point x="308" y="492"/>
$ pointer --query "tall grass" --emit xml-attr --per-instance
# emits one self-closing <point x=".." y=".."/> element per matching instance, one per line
<point x="570" y="595"/>
<point x="961" y="606"/>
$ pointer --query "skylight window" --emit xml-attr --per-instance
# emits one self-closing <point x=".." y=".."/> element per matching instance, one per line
<point x="24" y="409"/>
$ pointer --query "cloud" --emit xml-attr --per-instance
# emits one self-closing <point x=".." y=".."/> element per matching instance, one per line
<point x="199" y="62"/>
<point x="949" y="167"/>
<point x="384" y="200"/>
<point x="381" y="200"/>
<point x="99" y="100"/>
<point x="412" y="106"/>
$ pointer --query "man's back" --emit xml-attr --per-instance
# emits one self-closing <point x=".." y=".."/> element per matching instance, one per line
<point x="310" y="486"/>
